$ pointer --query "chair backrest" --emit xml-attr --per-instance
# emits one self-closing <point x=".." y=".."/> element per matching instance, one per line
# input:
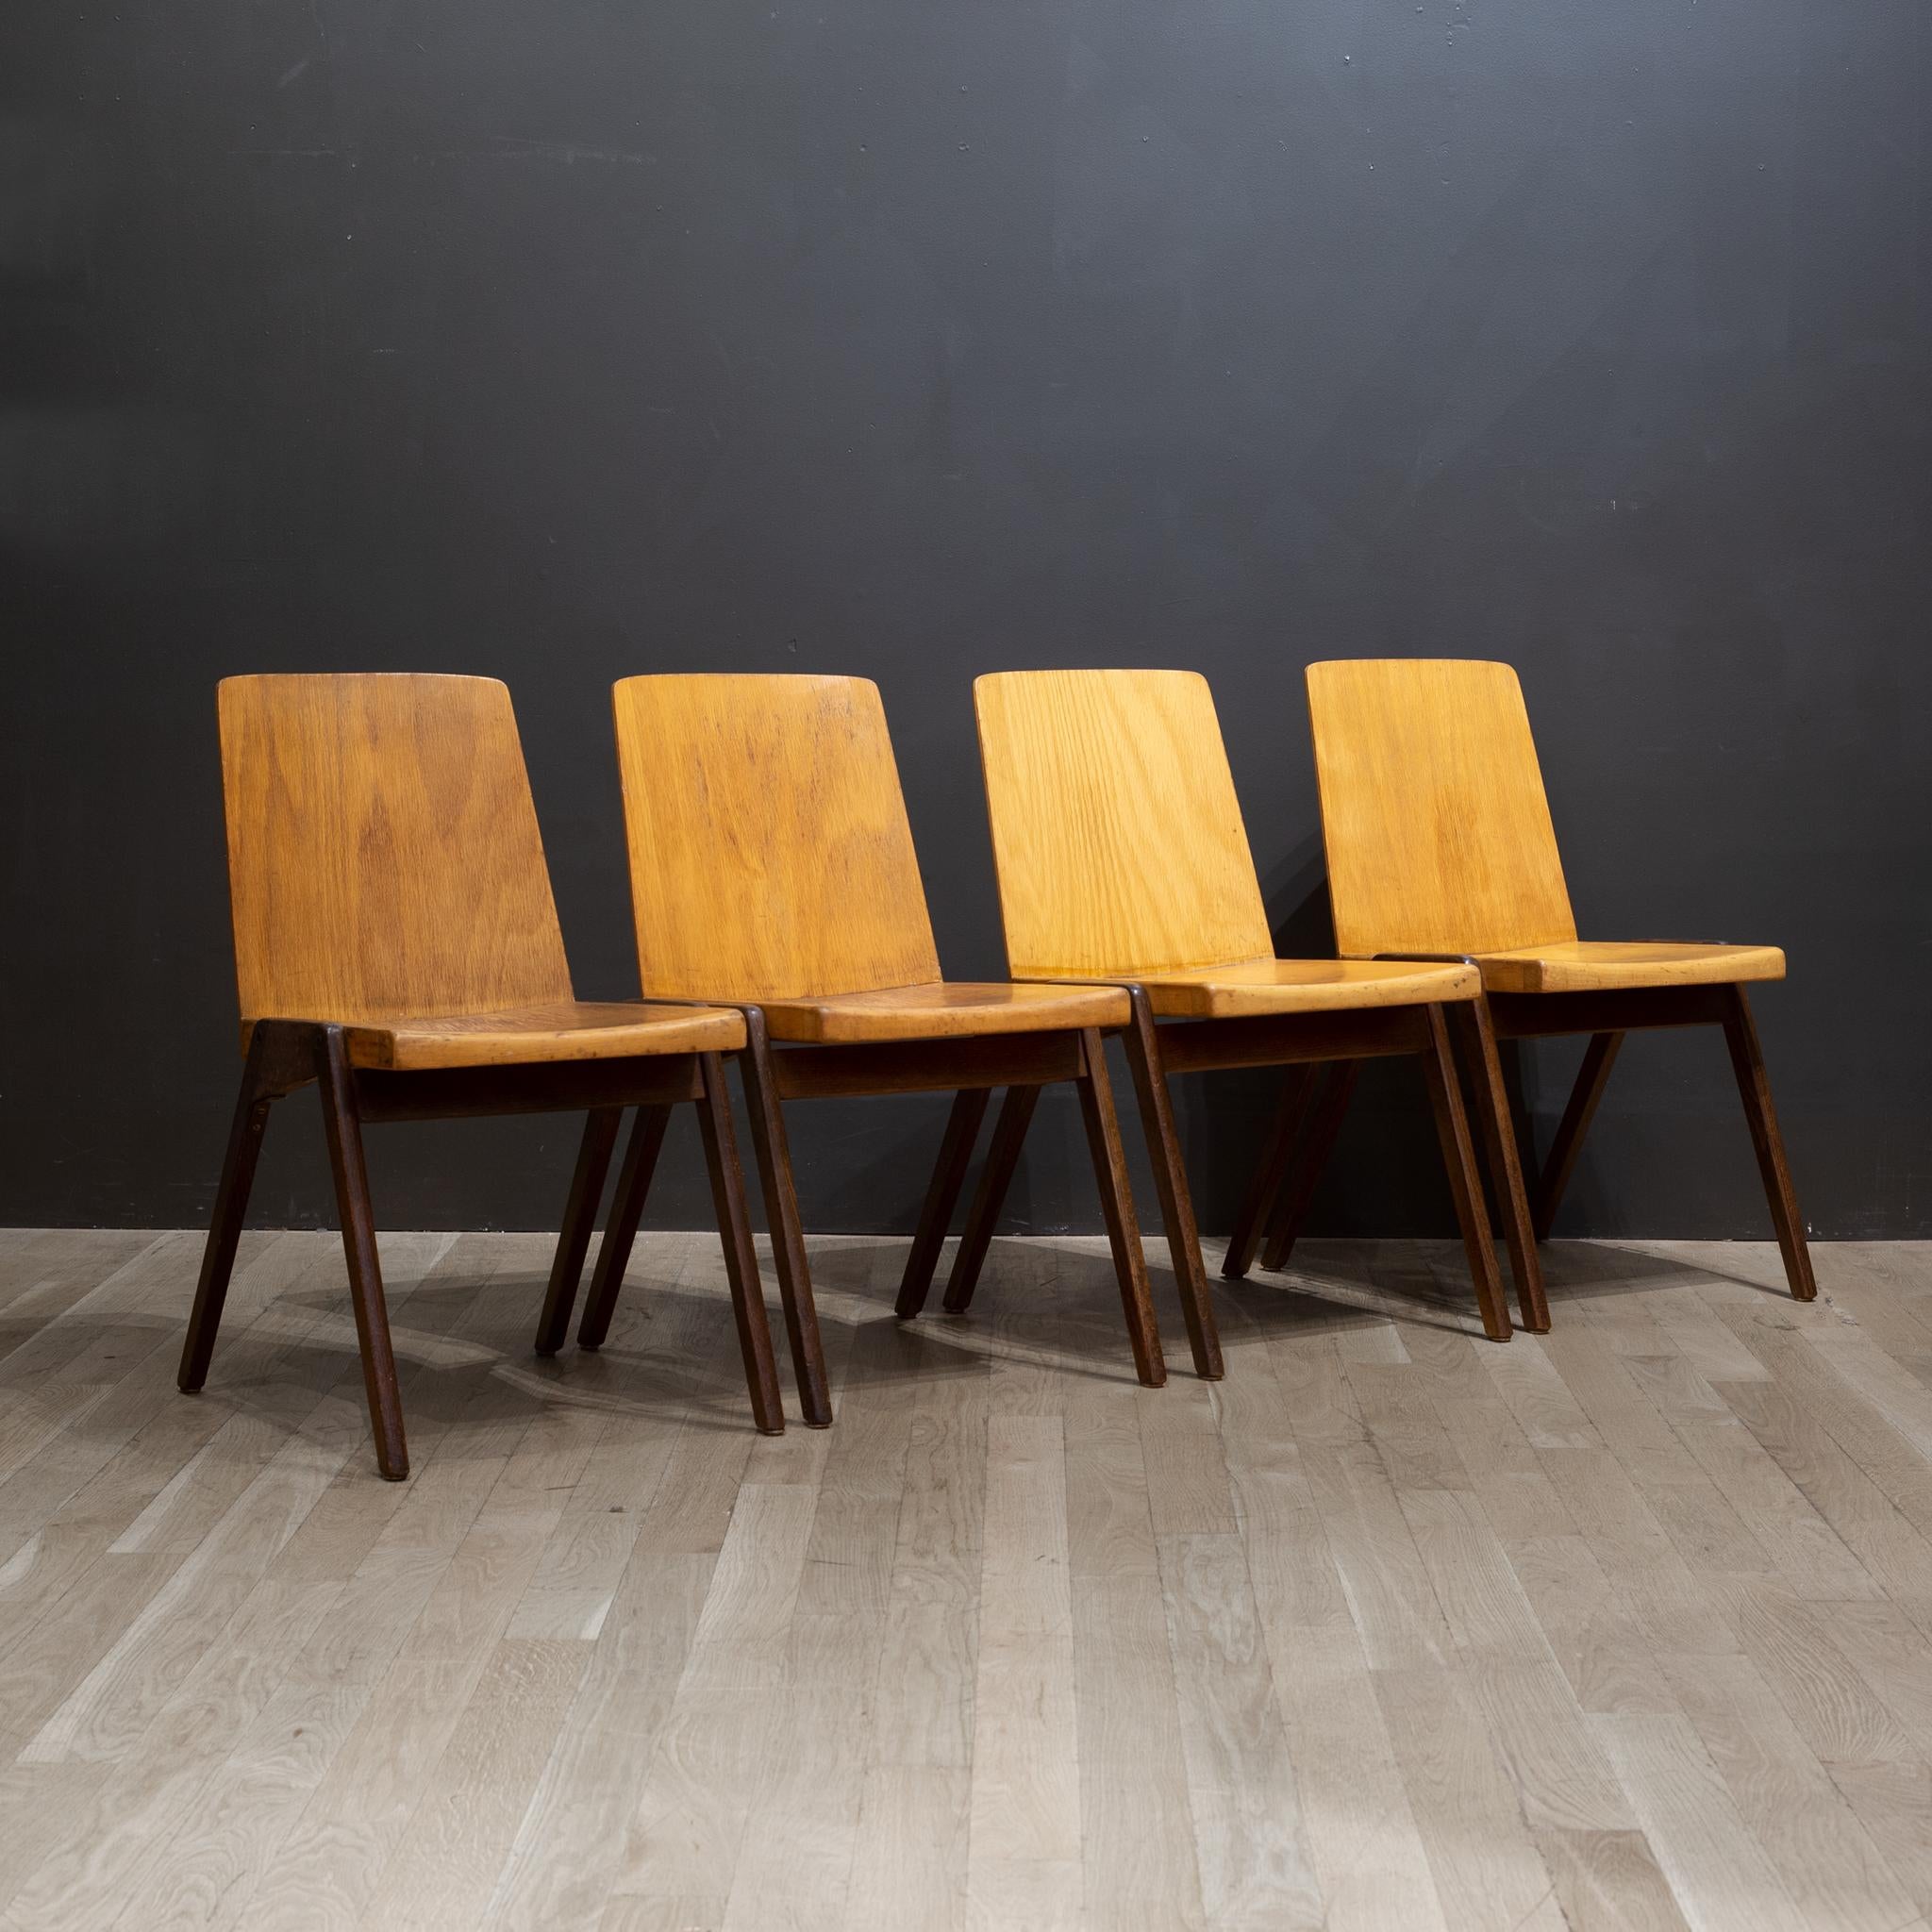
<point x="383" y="852"/>
<point x="1116" y="832"/>
<point x="1433" y="809"/>
<point x="770" y="852"/>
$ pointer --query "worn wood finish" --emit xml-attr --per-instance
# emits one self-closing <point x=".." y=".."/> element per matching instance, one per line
<point x="1391" y="1631"/>
<point x="1326" y="1116"/>
<point x="941" y="1197"/>
<point x="1599" y="1056"/>
<point x="1255" y="988"/>
<point x="565" y="1031"/>
<point x="579" y="1222"/>
<point x="649" y="1125"/>
<point x="1603" y="965"/>
<point x="957" y="1009"/>
<point x="995" y="1180"/>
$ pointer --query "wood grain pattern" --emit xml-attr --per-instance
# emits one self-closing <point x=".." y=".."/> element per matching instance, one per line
<point x="1243" y="988"/>
<point x="1596" y="965"/>
<point x="946" y="1010"/>
<point x="566" y="1030"/>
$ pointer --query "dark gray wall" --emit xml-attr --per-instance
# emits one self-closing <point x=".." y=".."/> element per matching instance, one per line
<point x="562" y="341"/>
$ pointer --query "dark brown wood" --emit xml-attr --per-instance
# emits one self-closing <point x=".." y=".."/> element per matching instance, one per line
<point x="1324" y="1124"/>
<point x="1754" y="1088"/>
<point x="549" y="1087"/>
<point x="1538" y="1015"/>
<point x="740" y="1257"/>
<point x="1498" y="1130"/>
<point x="580" y="1218"/>
<point x="343" y="1124"/>
<point x="1202" y="1047"/>
<point x="922" y="1066"/>
<point x="996" y="1177"/>
<point x="1599" y="1056"/>
<point x="621" y="1224"/>
<point x="1145" y="1064"/>
<point x="1117" y="1207"/>
<point x="1244" y="1242"/>
<point x="1465" y="1184"/>
<point x="761" y="1093"/>
<point x="941" y="1197"/>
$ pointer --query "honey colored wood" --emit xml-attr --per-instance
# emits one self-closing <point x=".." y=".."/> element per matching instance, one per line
<point x="1601" y="965"/>
<point x="770" y="853"/>
<point x="947" y="1010"/>
<point x="568" y="1030"/>
<point x="1250" y="987"/>
<point x="1116" y="831"/>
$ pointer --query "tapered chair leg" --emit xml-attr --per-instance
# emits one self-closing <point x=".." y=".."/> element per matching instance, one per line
<point x="1754" y="1088"/>
<point x="1244" y="1242"/>
<point x="1498" y="1134"/>
<point x="245" y="1133"/>
<point x="1325" y="1128"/>
<point x="1117" y="1206"/>
<point x="621" y="1225"/>
<point x="1171" y="1184"/>
<point x="1599" y="1056"/>
<point x="580" y="1218"/>
<point x="996" y="1180"/>
<point x="342" y="1121"/>
<point x="1465" y="1184"/>
<point x="941" y="1197"/>
<point x="740" y="1257"/>
<point x="781" y="1214"/>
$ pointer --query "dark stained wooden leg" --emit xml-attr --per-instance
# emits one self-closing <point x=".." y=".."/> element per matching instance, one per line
<point x="941" y="1197"/>
<point x="1599" y="1056"/>
<point x="1002" y="1160"/>
<point x="781" y="1214"/>
<point x="1331" y="1106"/>
<point x="734" y="1231"/>
<point x="1498" y="1132"/>
<point x="1170" y="1183"/>
<point x="579" y="1217"/>
<point x="1117" y="1206"/>
<point x="621" y="1224"/>
<point x="343" y="1126"/>
<point x="1244" y="1243"/>
<point x="1753" y="1086"/>
<point x="224" y="1227"/>
<point x="1465" y="1183"/>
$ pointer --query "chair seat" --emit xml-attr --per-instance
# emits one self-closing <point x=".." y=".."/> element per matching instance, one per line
<point x="943" y="1009"/>
<point x="1601" y="965"/>
<point x="523" y="1036"/>
<point x="1246" y="987"/>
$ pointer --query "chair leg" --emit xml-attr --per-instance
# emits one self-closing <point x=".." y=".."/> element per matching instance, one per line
<point x="224" y="1226"/>
<point x="941" y="1197"/>
<point x="1171" y="1184"/>
<point x="1117" y="1206"/>
<point x="1498" y="1133"/>
<point x="995" y="1180"/>
<point x="621" y="1224"/>
<point x="781" y="1213"/>
<point x="1599" y="1056"/>
<point x="1244" y="1242"/>
<point x="734" y="1231"/>
<point x="579" y="1217"/>
<point x="1285" y="1225"/>
<point x="1754" y="1088"/>
<point x="1465" y="1183"/>
<point x="342" y="1122"/>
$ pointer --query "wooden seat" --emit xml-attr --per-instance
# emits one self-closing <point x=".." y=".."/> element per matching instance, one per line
<point x="1441" y="843"/>
<point x="1121" y="856"/>
<point x="772" y="867"/>
<point x="396" y="943"/>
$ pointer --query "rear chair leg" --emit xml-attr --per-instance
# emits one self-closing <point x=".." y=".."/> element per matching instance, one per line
<point x="1117" y="1204"/>
<point x="1754" y="1088"/>
<point x="1599" y="1056"/>
<point x="579" y="1217"/>
<point x="1458" y="1158"/>
<point x="1499" y="1149"/>
<point x="1002" y="1160"/>
<point x="941" y="1197"/>
<point x="342" y="1122"/>
<point x="1324" y="1128"/>
<point x="1244" y="1243"/>
<point x="621" y="1224"/>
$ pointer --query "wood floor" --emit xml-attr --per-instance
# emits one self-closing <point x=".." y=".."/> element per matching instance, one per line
<point x="1395" y="1629"/>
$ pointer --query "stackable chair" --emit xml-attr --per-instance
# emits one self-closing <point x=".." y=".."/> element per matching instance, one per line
<point x="1121" y="856"/>
<point x="396" y="943"/>
<point x="1441" y="847"/>
<point x="772" y="867"/>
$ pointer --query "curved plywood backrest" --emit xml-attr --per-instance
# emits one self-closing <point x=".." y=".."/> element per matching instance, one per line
<point x="770" y="852"/>
<point x="383" y="852"/>
<point x="1433" y="809"/>
<point x="1116" y="831"/>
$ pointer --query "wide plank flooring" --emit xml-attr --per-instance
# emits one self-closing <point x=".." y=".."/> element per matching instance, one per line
<point x="1395" y="1630"/>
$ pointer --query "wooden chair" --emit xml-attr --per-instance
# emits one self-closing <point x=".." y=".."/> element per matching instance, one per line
<point x="773" y="869"/>
<point x="395" y="941"/>
<point x="1441" y="847"/>
<point x="1121" y="856"/>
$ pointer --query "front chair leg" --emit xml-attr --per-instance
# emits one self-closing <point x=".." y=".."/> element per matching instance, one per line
<point x="1494" y="1124"/>
<point x="342" y="1122"/>
<point x="1324" y="1129"/>
<point x="621" y="1225"/>
<point x="1754" y="1088"/>
<point x="941" y="1197"/>
<point x="579" y="1217"/>
<point x="996" y="1180"/>
<point x="781" y="1214"/>
<point x="1170" y="1183"/>
<point x="1244" y="1242"/>
<point x="1459" y="1160"/>
<point x="1117" y="1206"/>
